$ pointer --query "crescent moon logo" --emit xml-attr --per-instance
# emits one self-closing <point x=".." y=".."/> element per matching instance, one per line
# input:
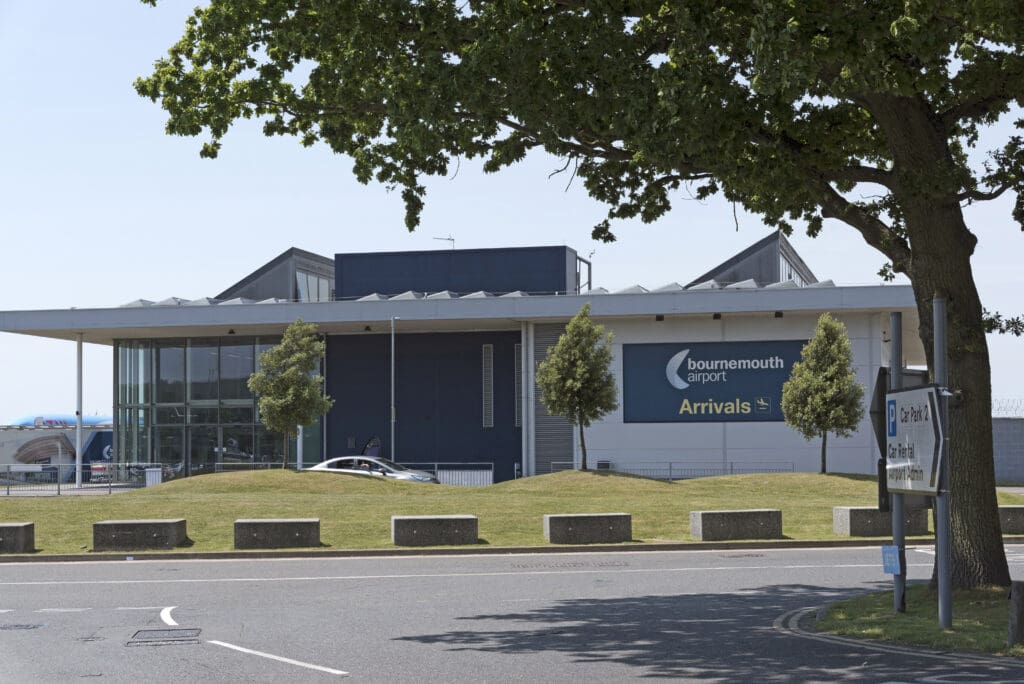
<point x="672" y="370"/>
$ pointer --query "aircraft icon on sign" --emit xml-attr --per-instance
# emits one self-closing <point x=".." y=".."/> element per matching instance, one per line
<point x="763" y="405"/>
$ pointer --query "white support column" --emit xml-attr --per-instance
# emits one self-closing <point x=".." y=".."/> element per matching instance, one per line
<point x="531" y="413"/>
<point x="524" y="374"/>
<point x="298" y="449"/>
<point x="78" y="417"/>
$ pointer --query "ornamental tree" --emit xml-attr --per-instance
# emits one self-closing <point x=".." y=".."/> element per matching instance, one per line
<point x="851" y="112"/>
<point x="288" y="385"/>
<point x="822" y="395"/>
<point x="575" y="379"/>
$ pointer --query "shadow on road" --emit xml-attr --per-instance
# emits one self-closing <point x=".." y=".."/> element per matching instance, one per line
<point x="708" y="637"/>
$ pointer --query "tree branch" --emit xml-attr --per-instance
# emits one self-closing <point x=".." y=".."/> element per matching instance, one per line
<point x="874" y="231"/>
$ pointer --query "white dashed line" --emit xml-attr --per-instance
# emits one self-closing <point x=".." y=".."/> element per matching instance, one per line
<point x="62" y="610"/>
<point x="289" y="661"/>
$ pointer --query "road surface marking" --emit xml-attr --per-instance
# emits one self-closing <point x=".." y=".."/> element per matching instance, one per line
<point x="310" y="666"/>
<point x="139" y="608"/>
<point x="448" y="575"/>
<point x="62" y="610"/>
<point x="165" y="615"/>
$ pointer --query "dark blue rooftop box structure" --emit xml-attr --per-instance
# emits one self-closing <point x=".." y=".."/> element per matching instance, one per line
<point x="535" y="270"/>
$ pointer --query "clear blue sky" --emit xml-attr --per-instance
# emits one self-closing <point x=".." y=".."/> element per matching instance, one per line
<point x="99" y="207"/>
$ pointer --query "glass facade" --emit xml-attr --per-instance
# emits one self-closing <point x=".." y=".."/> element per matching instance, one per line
<point x="186" y="405"/>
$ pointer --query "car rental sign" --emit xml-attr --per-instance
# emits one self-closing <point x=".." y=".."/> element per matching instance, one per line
<point x="914" y="437"/>
<point x="706" y="381"/>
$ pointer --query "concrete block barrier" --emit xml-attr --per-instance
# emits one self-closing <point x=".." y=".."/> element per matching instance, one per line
<point x="434" y="530"/>
<point x="134" y="535"/>
<point x="1011" y="519"/>
<point x="866" y="521"/>
<point x="17" y="537"/>
<point x="588" y="528"/>
<point x="276" y="533"/>
<point x="763" y="523"/>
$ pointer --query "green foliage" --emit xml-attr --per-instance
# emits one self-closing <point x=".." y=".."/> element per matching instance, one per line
<point x="821" y="395"/>
<point x="287" y="383"/>
<point x="575" y="379"/>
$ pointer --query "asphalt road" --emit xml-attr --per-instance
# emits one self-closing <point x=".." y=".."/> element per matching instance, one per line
<point x="709" y="616"/>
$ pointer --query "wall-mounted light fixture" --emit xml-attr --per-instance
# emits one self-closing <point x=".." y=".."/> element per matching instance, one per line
<point x="367" y="329"/>
<point x="778" y="314"/>
<point x="659" y="317"/>
<point x="231" y="332"/>
<point x="716" y="316"/>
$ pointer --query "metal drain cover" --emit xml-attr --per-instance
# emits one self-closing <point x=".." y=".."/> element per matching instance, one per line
<point x="150" y="634"/>
<point x="164" y="637"/>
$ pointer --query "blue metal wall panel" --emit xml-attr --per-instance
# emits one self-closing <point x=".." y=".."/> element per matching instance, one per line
<point x="530" y="269"/>
<point x="438" y="398"/>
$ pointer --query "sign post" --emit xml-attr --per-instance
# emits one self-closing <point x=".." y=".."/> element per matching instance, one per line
<point x="917" y="454"/>
<point x="899" y="537"/>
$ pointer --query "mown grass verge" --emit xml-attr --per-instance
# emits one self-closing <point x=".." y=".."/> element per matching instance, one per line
<point x="355" y="512"/>
<point x="980" y="620"/>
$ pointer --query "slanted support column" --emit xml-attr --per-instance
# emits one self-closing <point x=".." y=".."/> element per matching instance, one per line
<point x="78" y="416"/>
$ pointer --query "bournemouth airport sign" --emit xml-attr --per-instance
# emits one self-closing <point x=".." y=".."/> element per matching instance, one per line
<point x="709" y="382"/>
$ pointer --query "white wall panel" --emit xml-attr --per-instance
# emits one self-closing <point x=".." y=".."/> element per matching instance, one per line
<point x="740" y="442"/>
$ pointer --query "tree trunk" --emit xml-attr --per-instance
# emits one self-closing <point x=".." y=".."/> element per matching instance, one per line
<point x="926" y="186"/>
<point x="583" y="449"/>
<point x="287" y="438"/>
<point x="824" y="441"/>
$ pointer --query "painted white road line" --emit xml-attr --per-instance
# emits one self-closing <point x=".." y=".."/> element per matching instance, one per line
<point x="289" y="661"/>
<point x="453" y="575"/>
<point x="165" y="615"/>
<point x="10" y="610"/>
<point x="62" y="610"/>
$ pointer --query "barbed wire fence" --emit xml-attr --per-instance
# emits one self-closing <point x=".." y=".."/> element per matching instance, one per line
<point x="1008" y="408"/>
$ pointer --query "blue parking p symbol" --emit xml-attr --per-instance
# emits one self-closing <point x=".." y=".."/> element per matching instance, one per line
<point x="891" y="417"/>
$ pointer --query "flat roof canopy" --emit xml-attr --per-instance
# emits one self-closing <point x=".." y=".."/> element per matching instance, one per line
<point x="438" y="314"/>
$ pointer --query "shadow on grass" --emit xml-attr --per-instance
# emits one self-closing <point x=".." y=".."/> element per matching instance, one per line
<point x="715" y="637"/>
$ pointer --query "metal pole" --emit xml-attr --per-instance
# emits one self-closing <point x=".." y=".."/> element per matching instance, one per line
<point x="298" y="449"/>
<point x="899" y="539"/>
<point x="942" y="523"/>
<point x="78" y="419"/>
<point x="391" y="443"/>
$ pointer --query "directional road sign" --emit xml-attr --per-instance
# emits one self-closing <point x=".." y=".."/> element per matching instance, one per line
<point x="914" y="437"/>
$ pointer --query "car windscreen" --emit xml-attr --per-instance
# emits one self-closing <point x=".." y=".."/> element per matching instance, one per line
<point x="391" y="464"/>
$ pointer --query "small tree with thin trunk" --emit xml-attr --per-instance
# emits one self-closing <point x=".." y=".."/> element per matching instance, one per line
<point x="821" y="395"/>
<point x="575" y="379"/>
<point x="288" y="383"/>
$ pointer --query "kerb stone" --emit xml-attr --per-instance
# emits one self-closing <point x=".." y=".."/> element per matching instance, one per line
<point x="276" y="533"/>
<point x="434" y="530"/>
<point x="763" y="523"/>
<point x="588" y="528"/>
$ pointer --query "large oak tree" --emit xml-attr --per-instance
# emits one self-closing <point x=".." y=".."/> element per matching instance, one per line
<point x="861" y="111"/>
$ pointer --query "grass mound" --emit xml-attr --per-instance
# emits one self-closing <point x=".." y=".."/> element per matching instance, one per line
<point x="355" y="512"/>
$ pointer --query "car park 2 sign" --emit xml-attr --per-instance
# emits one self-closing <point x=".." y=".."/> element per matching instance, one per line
<point x="706" y="382"/>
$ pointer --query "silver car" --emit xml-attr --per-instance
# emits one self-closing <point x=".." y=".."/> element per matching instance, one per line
<point x="375" y="466"/>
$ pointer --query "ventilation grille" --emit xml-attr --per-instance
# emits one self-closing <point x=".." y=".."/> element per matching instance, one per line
<point x="488" y="385"/>
<point x="519" y="385"/>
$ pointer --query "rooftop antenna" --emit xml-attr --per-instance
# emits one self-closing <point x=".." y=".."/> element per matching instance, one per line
<point x="447" y="239"/>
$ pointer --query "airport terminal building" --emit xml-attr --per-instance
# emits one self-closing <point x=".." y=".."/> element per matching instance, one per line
<point x="433" y="354"/>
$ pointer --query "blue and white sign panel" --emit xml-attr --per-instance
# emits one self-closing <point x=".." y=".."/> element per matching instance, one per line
<point x="913" y="440"/>
<point x="706" y="382"/>
<point x="891" y="560"/>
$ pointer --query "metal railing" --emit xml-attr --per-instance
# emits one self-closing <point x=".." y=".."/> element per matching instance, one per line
<point x="686" y="470"/>
<point x="59" y="479"/>
<point x="477" y="474"/>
